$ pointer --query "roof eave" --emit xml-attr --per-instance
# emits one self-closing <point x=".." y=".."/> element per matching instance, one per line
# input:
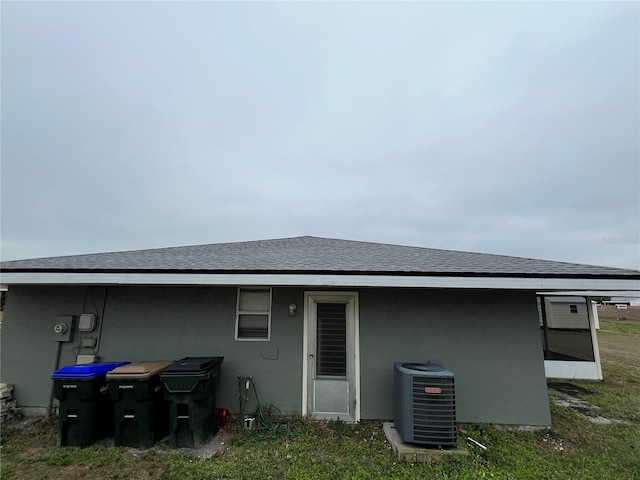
<point x="262" y="272"/>
<point x="537" y="283"/>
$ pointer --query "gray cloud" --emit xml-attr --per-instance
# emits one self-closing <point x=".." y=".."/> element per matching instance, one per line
<point x="502" y="128"/>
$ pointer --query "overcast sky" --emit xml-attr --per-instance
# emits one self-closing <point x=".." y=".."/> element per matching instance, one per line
<point x="508" y="128"/>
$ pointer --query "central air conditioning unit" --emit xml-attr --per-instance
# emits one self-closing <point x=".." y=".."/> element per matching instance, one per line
<point x="425" y="404"/>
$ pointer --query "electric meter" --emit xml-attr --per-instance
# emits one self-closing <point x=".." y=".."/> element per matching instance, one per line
<point x="63" y="328"/>
<point x="60" y="328"/>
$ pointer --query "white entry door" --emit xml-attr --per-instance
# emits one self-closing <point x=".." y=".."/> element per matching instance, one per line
<point x="331" y="364"/>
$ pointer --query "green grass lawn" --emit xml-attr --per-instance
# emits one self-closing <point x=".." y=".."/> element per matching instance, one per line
<point x="630" y="327"/>
<point x="573" y="448"/>
<point x="619" y="342"/>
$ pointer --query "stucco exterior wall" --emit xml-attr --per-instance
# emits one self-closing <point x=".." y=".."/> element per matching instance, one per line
<point x="490" y="340"/>
<point x="28" y="348"/>
<point x="154" y="323"/>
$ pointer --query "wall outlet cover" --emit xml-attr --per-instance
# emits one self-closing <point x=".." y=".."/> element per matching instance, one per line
<point x="270" y="353"/>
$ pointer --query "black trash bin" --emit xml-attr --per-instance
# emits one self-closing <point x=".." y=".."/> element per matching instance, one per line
<point x="85" y="411"/>
<point x="141" y="414"/>
<point x="190" y="386"/>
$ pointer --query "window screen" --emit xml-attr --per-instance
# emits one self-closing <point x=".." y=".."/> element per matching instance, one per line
<point x="562" y="338"/>
<point x="253" y="316"/>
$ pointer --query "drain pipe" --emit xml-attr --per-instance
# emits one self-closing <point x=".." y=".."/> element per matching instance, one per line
<point x="55" y="367"/>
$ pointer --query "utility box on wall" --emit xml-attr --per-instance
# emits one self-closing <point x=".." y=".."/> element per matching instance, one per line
<point x="425" y="404"/>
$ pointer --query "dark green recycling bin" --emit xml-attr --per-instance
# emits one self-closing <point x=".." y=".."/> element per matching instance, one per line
<point x="85" y="411"/>
<point x="141" y="414"/>
<point x="190" y="387"/>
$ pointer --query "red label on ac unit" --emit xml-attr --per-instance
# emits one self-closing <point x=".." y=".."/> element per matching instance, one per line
<point x="432" y="390"/>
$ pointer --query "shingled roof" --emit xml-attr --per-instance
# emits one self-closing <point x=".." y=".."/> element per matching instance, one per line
<point x="314" y="255"/>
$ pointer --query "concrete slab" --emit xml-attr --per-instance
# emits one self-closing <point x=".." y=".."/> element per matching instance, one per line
<point x="582" y="408"/>
<point x="408" y="452"/>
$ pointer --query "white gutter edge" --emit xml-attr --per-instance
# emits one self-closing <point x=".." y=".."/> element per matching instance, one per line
<point x="507" y="283"/>
<point x="595" y="293"/>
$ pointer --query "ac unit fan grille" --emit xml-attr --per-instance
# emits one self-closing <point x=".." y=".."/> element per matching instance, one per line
<point x="434" y="410"/>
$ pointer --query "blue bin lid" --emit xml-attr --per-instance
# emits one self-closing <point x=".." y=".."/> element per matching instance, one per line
<point x="86" y="370"/>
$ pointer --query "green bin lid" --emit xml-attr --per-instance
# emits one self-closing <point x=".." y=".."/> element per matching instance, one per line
<point x="137" y="370"/>
<point x="193" y="365"/>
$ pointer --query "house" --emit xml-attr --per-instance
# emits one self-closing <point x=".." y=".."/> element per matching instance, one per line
<point x="622" y="302"/>
<point x="317" y="323"/>
<point x="621" y="307"/>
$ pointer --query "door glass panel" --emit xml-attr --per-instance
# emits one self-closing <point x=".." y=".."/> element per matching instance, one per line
<point x="331" y="351"/>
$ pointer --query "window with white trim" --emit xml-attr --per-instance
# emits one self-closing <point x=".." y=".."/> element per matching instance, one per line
<point x="253" y="314"/>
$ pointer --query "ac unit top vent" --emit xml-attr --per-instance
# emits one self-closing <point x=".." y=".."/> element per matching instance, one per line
<point x="428" y="369"/>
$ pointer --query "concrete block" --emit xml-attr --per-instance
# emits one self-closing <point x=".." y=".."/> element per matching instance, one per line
<point x="408" y="452"/>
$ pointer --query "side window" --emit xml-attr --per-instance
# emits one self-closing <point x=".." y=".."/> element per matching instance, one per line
<point x="253" y="314"/>
<point x="573" y="308"/>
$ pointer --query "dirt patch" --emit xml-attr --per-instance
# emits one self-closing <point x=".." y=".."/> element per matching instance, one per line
<point x="619" y="346"/>
<point x="550" y="443"/>
<point x="570" y="389"/>
<point x="610" y="311"/>
<point x="215" y="447"/>
<point x="22" y="423"/>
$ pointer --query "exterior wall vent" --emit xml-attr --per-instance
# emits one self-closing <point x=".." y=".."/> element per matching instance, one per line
<point x="425" y="404"/>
